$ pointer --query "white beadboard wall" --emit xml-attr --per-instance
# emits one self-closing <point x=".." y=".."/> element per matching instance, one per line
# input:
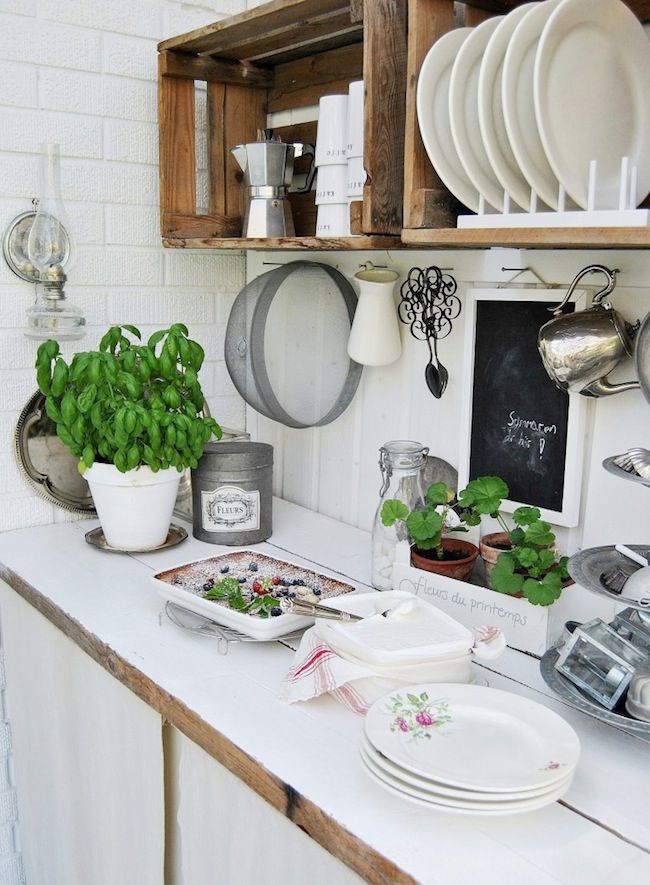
<point x="82" y="73"/>
<point x="334" y="469"/>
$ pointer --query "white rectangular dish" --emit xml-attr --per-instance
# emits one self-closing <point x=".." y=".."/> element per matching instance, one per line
<point x="187" y="584"/>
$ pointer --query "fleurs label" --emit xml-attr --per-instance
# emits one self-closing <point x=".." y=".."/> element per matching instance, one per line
<point x="230" y="509"/>
<point x="416" y="715"/>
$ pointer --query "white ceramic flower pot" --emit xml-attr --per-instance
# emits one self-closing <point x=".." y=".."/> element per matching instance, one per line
<point x="134" y="508"/>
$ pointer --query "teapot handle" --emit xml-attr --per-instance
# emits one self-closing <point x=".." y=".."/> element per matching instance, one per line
<point x="606" y="290"/>
<point x="303" y="149"/>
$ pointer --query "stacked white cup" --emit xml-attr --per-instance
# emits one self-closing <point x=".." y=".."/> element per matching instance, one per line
<point x="333" y="218"/>
<point x="356" y="175"/>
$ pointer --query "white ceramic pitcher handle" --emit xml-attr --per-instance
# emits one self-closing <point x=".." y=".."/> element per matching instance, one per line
<point x="489" y="643"/>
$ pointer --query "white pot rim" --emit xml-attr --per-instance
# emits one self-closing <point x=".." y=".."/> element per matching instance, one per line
<point x="108" y="474"/>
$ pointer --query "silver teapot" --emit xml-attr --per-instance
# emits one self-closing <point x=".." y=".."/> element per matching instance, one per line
<point x="580" y="349"/>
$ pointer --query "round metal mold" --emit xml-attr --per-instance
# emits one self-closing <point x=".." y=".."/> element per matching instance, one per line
<point x="95" y="538"/>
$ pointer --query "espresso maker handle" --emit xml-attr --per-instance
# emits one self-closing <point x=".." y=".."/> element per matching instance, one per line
<point x="598" y="297"/>
<point x="306" y="150"/>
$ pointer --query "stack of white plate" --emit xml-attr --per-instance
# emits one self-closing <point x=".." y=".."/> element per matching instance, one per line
<point x="466" y="749"/>
<point x="525" y="102"/>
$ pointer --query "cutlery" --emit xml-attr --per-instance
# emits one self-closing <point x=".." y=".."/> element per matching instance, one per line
<point x="315" y="610"/>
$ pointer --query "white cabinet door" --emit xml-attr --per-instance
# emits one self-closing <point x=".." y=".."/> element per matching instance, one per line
<point x="221" y="831"/>
<point x="88" y="761"/>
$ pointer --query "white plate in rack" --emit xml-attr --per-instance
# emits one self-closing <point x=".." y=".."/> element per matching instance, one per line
<point x="432" y="98"/>
<point x="592" y="97"/>
<point x="519" y="106"/>
<point x="490" y="110"/>
<point x="471" y="737"/>
<point x="463" y="113"/>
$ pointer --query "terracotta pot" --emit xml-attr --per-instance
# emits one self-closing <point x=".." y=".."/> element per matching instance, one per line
<point x="490" y="552"/>
<point x="460" y="569"/>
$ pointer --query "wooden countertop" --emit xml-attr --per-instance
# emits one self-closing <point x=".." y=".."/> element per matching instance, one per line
<point x="303" y="758"/>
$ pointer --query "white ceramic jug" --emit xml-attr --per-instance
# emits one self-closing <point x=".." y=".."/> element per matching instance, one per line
<point x="374" y="337"/>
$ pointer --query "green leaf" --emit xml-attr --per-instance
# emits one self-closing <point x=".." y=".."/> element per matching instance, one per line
<point x="59" y="377"/>
<point x="424" y="525"/>
<point x="120" y="461"/>
<point x="155" y="338"/>
<point x="52" y="410"/>
<point x="526" y="556"/>
<point x="86" y="399"/>
<point x="504" y="578"/>
<point x="543" y="592"/>
<point x="65" y="436"/>
<point x="88" y="456"/>
<point x="133" y="457"/>
<point x="484" y="495"/>
<point x="539" y="533"/>
<point x="438" y="493"/>
<point x="44" y="379"/>
<point x="392" y="510"/>
<point x="526" y="515"/>
<point x="133" y="330"/>
<point x="546" y="559"/>
<point x="179" y="327"/>
<point x="69" y="409"/>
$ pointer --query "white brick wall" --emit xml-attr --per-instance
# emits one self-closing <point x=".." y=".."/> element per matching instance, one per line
<point x="82" y="73"/>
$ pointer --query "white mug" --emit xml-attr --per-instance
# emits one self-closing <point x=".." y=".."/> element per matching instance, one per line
<point x="331" y="184"/>
<point x="354" y="146"/>
<point x="333" y="220"/>
<point x="332" y="134"/>
<point x="356" y="177"/>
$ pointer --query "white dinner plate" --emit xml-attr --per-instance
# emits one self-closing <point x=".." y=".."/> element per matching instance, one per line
<point x="518" y="103"/>
<point x="432" y="99"/>
<point x="476" y="738"/>
<point x="458" y="806"/>
<point x="490" y="110"/>
<point x="592" y="97"/>
<point x="385" y="766"/>
<point x="463" y="113"/>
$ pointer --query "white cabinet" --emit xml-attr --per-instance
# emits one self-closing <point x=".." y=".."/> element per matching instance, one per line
<point x="88" y="761"/>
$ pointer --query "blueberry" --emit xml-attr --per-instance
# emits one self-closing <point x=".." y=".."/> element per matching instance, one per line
<point x="291" y="594"/>
<point x="208" y="585"/>
<point x="252" y="566"/>
<point x="242" y="579"/>
<point x="176" y="581"/>
<point x="298" y="582"/>
<point x="316" y="591"/>
<point x="282" y="591"/>
<point x="276" y="611"/>
<point x="224" y="569"/>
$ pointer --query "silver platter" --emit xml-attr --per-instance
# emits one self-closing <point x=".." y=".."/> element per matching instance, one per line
<point x="615" y="470"/>
<point x="587" y="566"/>
<point x="95" y="538"/>
<point x="573" y="696"/>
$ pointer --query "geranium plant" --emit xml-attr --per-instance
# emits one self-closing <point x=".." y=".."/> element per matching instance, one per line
<point x="425" y="525"/>
<point x="127" y="403"/>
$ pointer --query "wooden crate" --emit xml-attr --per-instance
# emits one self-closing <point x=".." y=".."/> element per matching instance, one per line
<point x="430" y="210"/>
<point x="281" y="56"/>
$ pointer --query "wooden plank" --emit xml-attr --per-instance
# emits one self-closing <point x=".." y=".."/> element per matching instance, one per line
<point x="384" y="66"/>
<point x="235" y="113"/>
<point x="470" y="16"/>
<point x="191" y="67"/>
<point x="360" y="857"/>
<point x="265" y="18"/>
<point x="356" y="217"/>
<point x="201" y="225"/>
<point x="177" y="139"/>
<point x="532" y="238"/>
<point x="301" y="83"/>
<point x="291" y="244"/>
<point x="301" y="37"/>
<point x="356" y="10"/>
<point x="427" y="22"/>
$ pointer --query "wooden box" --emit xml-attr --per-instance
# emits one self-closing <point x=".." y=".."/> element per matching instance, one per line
<point x="277" y="57"/>
<point x="430" y="211"/>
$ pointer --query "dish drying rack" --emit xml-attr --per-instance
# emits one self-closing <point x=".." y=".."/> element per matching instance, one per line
<point x="626" y="214"/>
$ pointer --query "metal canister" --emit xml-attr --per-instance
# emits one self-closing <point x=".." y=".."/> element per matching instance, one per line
<point x="232" y="491"/>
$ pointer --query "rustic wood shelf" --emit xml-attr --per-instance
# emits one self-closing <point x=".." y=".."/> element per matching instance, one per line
<point x="531" y="238"/>
<point x="280" y="56"/>
<point x="321" y="244"/>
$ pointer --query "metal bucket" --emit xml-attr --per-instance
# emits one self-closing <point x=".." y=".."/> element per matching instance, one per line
<point x="232" y="492"/>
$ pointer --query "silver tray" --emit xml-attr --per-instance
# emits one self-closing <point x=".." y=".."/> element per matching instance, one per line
<point x="573" y="696"/>
<point x="615" y="470"/>
<point x="587" y="566"/>
<point x="95" y="538"/>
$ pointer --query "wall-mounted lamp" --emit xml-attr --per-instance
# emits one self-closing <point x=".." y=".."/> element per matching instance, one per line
<point x="36" y="247"/>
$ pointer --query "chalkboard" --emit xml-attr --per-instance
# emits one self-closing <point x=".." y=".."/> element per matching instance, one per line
<point x="520" y="426"/>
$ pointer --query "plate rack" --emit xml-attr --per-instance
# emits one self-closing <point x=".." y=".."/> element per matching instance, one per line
<point x="432" y="215"/>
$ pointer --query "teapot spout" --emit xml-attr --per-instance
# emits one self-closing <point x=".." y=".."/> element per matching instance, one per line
<point x="240" y="154"/>
<point x="602" y="387"/>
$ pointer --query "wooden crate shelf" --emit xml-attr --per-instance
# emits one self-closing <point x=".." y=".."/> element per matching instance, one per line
<point x="281" y="56"/>
<point x="430" y="211"/>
